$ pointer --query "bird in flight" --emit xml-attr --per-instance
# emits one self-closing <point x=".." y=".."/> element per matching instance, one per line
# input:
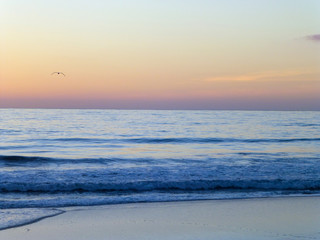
<point x="58" y="73"/>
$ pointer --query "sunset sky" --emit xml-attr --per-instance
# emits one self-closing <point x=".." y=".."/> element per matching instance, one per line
<point x="160" y="54"/>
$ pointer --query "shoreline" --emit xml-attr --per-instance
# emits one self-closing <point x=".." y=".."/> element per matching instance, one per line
<point x="254" y="218"/>
<point x="62" y="210"/>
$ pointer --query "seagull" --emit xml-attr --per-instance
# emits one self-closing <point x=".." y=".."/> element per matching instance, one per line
<point x="58" y="73"/>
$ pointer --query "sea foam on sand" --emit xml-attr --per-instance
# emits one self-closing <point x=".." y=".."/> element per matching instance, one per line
<point x="267" y="218"/>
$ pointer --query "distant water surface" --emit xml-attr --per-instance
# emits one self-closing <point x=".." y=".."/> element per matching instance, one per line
<point x="55" y="158"/>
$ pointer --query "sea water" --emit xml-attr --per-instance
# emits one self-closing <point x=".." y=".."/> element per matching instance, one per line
<point x="57" y="158"/>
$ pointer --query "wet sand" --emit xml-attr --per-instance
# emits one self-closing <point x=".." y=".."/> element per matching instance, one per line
<point x="267" y="218"/>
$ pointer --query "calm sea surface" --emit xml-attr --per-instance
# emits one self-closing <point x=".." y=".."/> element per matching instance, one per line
<point x="56" y="158"/>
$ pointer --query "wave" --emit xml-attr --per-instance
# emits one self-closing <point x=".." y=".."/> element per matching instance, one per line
<point x="302" y="125"/>
<point x="215" y="140"/>
<point x="181" y="140"/>
<point x="18" y="158"/>
<point x="161" y="186"/>
<point x="13" y="160"/>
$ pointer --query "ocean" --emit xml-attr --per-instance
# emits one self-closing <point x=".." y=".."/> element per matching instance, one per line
<point x="52" y="158"/>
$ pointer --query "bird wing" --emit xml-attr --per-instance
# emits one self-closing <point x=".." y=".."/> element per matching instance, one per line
<point x="53" y="73"/>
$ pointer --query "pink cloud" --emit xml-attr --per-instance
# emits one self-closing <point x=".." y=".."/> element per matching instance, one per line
<point x="314" y="37"/>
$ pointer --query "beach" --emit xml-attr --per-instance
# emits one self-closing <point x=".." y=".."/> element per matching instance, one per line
<point x="264" y="218"/>
<point x="160" y="120"/>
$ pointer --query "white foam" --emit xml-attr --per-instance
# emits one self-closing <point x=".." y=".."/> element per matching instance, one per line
<point x="17" y="217"/>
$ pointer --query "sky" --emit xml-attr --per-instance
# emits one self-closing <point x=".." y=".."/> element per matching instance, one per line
<point x="168" y="54"/>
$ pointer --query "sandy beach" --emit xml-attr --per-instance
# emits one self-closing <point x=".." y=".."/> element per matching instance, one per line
<point x="267" y="218"/>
